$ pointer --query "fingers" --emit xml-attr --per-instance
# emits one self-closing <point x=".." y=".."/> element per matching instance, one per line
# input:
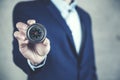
<point x="19" y="35"/>
<point x="31" y="21"/>
<point x="21" y="26"/>
<point x="46" y="42"/>
<point x="22" y="41"/>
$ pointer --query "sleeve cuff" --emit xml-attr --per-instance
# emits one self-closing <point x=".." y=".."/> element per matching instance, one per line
<point x="38" y="66"/>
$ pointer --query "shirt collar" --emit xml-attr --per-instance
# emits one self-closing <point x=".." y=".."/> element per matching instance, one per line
<point x="63" y="7"/>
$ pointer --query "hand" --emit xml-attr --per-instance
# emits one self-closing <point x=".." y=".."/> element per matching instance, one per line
<point x="36" y="53"/>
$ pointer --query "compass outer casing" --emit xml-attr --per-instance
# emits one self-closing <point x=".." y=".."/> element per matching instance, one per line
<point x="38" y="27"/>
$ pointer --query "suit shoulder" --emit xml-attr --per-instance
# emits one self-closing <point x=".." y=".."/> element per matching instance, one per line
<point x="83" y="13"/>
<point x="85" y="16"/>
<point x="24" y="4"/>
<point x="29" y="4"/>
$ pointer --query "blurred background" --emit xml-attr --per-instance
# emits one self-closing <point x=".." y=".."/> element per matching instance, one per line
<point x="106" y="33"/>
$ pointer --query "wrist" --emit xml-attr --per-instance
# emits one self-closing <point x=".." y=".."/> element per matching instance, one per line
<point x="37" y="61"/>
<point x="36" y="66"/>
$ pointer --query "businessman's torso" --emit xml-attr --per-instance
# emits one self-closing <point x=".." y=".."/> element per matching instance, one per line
<point x="63" y="63"/>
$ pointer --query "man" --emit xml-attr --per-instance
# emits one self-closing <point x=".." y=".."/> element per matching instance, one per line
<point x="66" y="53"/>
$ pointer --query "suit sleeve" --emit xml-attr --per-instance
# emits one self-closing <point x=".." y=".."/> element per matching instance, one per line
<point x="19" y="60"/>
<point x="88" y="65"/>
<point x="91" y="49"/>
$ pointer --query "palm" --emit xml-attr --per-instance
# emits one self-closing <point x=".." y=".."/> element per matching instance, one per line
<point x="35" y="52"/>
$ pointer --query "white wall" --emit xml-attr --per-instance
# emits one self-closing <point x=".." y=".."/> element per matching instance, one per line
<point x="106" y="32"/>
<point x="8" y="71"/>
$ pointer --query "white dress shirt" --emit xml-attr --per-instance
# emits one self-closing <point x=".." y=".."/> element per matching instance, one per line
<point x="70" y="15"/>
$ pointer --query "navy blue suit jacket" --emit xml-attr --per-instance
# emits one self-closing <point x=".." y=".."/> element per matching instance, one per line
<point x="62" y="63"/>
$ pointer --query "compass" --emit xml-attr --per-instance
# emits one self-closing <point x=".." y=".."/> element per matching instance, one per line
<point x="36" y="33"/>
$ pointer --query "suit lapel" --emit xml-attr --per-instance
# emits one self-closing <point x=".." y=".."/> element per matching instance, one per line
<point x="56" y="14"/>
<point x="84" y="34"/>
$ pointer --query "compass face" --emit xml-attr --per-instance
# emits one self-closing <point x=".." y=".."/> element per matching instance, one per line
<point x="36" y="33"/>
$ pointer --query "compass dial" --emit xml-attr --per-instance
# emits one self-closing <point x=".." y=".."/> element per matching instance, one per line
<point x="36" y="33"/>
